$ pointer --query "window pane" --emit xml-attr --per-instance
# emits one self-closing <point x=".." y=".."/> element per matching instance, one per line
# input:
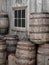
<point x="23" y="22"/>
<point x="23" y="13"/>
<point x="16" y="14"/>
<point x="19" y="22"/>
<point x="16" y="22"/>
<point x="19" y="13"/>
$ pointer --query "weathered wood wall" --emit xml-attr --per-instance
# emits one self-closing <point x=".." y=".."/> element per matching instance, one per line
<point x="39" y="6"/>
<point x="10" y="4"/>
<point x="3" y="5"/>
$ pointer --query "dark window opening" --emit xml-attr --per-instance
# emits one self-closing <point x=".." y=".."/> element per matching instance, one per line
<point x="19" y="18"/>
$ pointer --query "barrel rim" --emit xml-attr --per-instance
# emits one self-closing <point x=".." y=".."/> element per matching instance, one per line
<point x="41" y="53"/>
<point x="41" y="13"/>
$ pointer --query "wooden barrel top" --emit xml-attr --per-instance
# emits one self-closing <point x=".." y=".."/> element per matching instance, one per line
<point x="39" y="15"/>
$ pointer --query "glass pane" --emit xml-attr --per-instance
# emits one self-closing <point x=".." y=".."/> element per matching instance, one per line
<point x="16" y="22"/>
<point x="19" y="22"/>
<point x="16" y="14"/>
<point x="23" y="13"/>
<point x="19" y="13"/>
<point x="23" y="22"/>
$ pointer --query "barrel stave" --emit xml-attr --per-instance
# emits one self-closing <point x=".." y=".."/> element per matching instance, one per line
<point x="25" y="53"/>
<point x="39" y="27"/>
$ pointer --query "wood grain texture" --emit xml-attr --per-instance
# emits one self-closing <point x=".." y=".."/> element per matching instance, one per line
<point x="25" y="53"/>
<point x="39" y="27"/>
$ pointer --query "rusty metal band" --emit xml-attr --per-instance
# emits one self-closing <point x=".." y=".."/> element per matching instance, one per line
<point x="43" y="13"/>
<point x="3" y="40"/>
<point x="4" y="28"/>
<point x="3" y="50"/>
<point x="1" y="43"/>
<point x="43" y="45"/>
<point x="40" y="32"/>
<point x="3" y="63"/>
<point x="26" y="45"/>
<point x="39" y="25"/>
<point x="36" y="39"/>
<point x="12" y="45"/>
<point x="26" y="49"/>
<point x="12" y="39"/>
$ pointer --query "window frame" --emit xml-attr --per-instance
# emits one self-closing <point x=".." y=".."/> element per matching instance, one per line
<point x="20" y="8"/>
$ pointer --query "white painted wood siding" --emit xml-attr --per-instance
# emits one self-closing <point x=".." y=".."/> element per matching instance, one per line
<point x="3" y="5"/>
<point x="38" y="6"/>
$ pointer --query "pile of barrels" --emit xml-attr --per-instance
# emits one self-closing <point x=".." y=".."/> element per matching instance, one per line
<point x="39" y="34"/>
<point x="15" y="51"/>
<point x="8" y="45"/>
<point x="22" y="52"/>
<point x="26" y="54"/>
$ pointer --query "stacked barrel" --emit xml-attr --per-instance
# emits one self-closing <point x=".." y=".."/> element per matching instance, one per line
<point x="43" y="54"/>
<point x="11" y="42"/>
<point x="39" y="27"/>
<point x="4" y="24"/>
<point x="2" y="51"/>
<point x="25" y="53"/>
<point x="39" y="33"/>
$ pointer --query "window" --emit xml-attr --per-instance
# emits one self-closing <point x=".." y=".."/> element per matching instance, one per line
<point x="19" y="18"/>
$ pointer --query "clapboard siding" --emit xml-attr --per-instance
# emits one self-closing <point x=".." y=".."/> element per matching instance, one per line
<point x="38" y="6"/>
<point x="3" y="5"/>
<point x="10" y="4"/>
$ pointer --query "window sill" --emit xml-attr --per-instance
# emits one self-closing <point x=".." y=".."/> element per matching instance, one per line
<point x="19" y="29"/>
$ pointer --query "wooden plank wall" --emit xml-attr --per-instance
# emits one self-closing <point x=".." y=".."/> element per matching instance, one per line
<point x="3" y="5"/>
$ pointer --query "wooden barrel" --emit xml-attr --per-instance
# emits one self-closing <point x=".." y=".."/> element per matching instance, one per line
<point x="43" y="54"/>
<point x="39" y="27"/>
<point x="25" y="53"/>
<point x="11" y="42"/>
<point x="4" y="24"/>
<point x="2" y="52"/>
